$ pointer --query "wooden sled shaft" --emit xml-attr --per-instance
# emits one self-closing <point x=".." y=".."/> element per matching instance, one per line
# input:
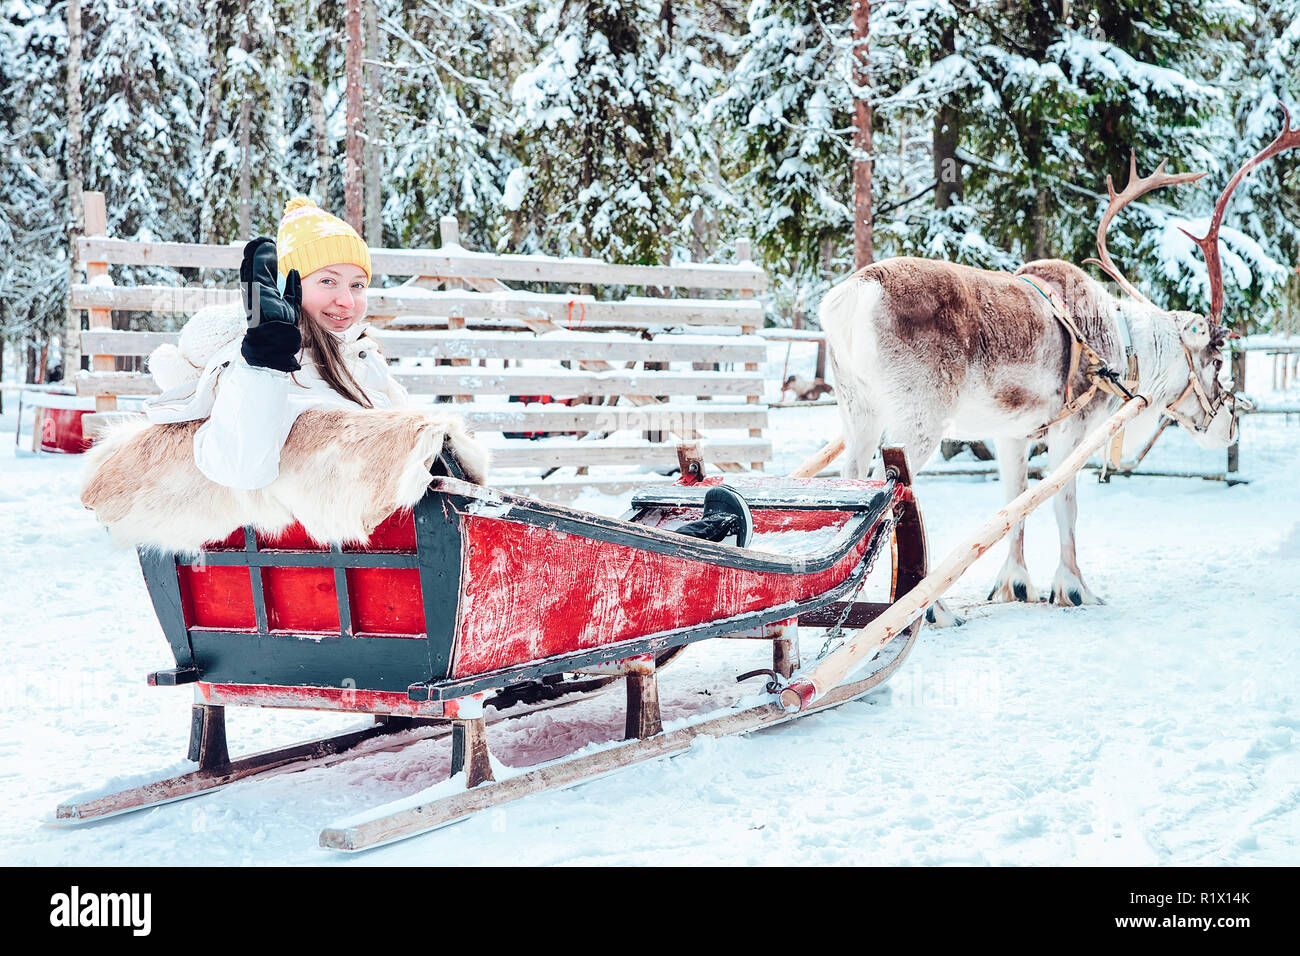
<point x="831" y="670"/>
<point x="813" y="465"/>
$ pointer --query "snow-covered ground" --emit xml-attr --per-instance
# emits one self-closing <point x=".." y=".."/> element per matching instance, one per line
<point x="1161" y="728"/>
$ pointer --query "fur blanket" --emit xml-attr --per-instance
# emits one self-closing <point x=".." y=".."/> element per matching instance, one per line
<point x="342" y="471"/>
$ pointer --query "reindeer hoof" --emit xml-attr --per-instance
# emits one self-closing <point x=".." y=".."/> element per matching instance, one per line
<point x="1013" y="585"/>
<point x="1074" y="598"/>
<point x="1069" y="591"/>
<point x="1008" y="592"/>
<point x="940" y="615"/>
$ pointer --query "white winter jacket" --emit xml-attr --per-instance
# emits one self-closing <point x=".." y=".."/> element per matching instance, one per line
<point x="250" y="410"/>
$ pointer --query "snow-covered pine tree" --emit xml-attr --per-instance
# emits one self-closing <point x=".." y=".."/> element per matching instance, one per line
<point x="1148" y="75"/>
<point x="1261" y="235"/>
<point x="597" y="115"/>
<point x="1073" y="88"/>
<point x="697" y="58"/>
<point x="242" y="182"/>
<point x="1024" y="148"/>
<point x="932" y="98"/>
<point x="33" y="187"/>
<point x="445" y="116"/>
<point x="787" y="105"/>
<point x="142" y="103"/>
<point x="310" y="37"/>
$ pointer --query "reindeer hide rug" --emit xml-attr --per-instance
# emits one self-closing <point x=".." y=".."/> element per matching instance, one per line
<point x="342" y="471"/>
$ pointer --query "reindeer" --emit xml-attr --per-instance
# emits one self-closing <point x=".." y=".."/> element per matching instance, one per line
<point x="920" y="347"/>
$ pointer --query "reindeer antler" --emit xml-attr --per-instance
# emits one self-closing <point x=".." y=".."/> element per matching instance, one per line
<point x="1287" y="139"/>
<point x="1136" y="187"/>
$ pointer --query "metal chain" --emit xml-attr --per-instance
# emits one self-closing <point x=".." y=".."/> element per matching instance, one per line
<point x="836" y="631"/>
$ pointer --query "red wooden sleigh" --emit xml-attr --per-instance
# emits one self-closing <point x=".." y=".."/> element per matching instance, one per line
<point x="481" y="599"/>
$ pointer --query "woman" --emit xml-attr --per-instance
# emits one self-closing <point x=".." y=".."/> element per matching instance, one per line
<point x="306" y="347"/>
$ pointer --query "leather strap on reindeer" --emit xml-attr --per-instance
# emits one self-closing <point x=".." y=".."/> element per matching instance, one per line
<point x="1101" y="375"/>
<point x="1210" y="408"/>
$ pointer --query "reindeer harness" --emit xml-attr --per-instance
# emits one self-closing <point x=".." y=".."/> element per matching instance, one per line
<point x="1211" y="408"/>
<point x="1101" y="375"/>
<point x="1106" y="379"/>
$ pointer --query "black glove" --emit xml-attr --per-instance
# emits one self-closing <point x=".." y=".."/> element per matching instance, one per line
<point x="272" y="339"/>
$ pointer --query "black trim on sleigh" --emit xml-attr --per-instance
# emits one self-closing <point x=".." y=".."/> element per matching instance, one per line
<point x="780" y="498"/>
<point x="294" y="660"/>
<point x="305" y="559"/>
<point x="439" y="543"/>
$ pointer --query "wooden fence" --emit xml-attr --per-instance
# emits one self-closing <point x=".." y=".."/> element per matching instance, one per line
<point x="639" y="373"/>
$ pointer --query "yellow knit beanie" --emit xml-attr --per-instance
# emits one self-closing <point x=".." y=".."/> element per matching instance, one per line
<point x="310" y="239"/>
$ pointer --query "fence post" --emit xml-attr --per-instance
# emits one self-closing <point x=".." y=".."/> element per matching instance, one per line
<point x="449" y="233"/>
<point x="1238" y="366"/>
<point x="743" y="255"/>
<point x="97" y="225"/>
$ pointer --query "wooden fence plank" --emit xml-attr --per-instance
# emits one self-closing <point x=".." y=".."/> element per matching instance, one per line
<point x="404" y="305"/>
<point x="565" y="384"/>
<point x="612" y="418"/>
<point x="607" y="346"/>
<point x="608" y="418"/>
<point x="496" y="345"/>
<point x="457" y="264"/>
<point x="556" y="452"/>
<point x="455" y="381"/>
<point x="568" y="312"/>
<point x="115" y="383"/>
<point x="569" y="488"/>
<point x="151" y="298"/>
<point x="124" y="342"/>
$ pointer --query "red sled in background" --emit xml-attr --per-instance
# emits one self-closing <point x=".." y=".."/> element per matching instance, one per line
<point x="538" y="400"/>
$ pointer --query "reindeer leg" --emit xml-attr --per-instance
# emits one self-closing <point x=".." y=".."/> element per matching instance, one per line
<point x="919" y="434"/>
<point x="1012" y="582"/>
<point x="1068" y="587"/>
<point x="862" y="427"/>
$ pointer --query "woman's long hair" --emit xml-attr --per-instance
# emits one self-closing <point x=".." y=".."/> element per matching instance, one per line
<point x="329" y="361"/>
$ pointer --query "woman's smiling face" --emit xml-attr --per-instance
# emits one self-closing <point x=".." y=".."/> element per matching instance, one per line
<point x="335" y="296"/>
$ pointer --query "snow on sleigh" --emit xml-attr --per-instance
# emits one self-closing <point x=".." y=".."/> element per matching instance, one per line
<point x="478" y="605"/>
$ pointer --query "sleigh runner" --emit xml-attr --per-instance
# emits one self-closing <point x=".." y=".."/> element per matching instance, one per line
<point x="477" y="599"/>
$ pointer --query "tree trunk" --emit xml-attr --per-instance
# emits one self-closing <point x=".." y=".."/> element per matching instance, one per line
<point x="1040" y="28"/>
<point x="374" y="231"/>
<point x="1040" y="226"/>
<point x="245" y="140"/>
<point x="862" y="116"/>
<point x="947" y="127"/>
<point x="76" y="212"/>
<point x="273" y="155"/>
<point x="826" y="248"/>
<point x="245" y="171"/>
<point x="216" y="28"/>
<point x="320" y="139"/>
<point x="352" y="174"/>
